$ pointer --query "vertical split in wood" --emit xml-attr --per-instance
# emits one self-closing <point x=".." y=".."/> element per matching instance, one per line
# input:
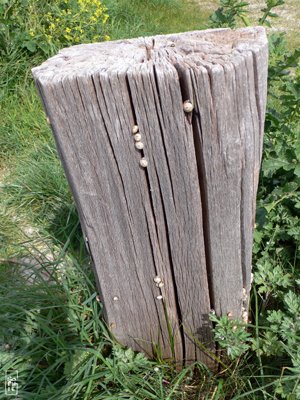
<point x="185" y="214"/>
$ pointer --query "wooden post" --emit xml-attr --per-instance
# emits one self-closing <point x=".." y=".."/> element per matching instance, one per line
<point x="161" y="142"/>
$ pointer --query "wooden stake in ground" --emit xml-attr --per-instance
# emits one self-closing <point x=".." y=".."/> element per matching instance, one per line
<point x="161" y="142"/>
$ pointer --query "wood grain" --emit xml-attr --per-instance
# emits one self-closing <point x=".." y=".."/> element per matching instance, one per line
<point x="188" y="216"/>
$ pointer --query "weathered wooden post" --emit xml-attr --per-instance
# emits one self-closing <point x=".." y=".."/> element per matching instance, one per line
<point x="161" y="142"/>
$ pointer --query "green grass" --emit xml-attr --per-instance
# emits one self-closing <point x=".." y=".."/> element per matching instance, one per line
<point x="24" y="125"/>
<point x="142" y="18"/>
<point x="51" y="329"/>
<point x="34" y="189"/>
<point x="50" y="323"/>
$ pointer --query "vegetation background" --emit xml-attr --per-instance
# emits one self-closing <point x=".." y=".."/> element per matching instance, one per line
<point x="51" y="330"/>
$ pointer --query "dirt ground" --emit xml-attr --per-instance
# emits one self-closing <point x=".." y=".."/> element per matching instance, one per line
<point x="289" y="16"/>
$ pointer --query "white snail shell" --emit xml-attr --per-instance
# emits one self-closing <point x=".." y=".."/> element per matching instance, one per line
<point x="135" y="129"/>
<point x="116" y="298"/>
<point x="245" y="316"/>
<point x="157" y="279"/>
<point x="139" y="145"/>
<point x="143" y="163"/>
<point x="160" y="284"/>
<point x="188" y="106"/>
<point x="159" y="297"/>
<point x="137" y="137"/>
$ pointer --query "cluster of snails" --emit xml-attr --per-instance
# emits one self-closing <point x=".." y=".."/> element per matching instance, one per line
<point x="139" y="145"/>
<point x="244" y="310"/>
<point x="158" y="283"/>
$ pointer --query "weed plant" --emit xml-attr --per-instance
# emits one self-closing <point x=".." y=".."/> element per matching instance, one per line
<point x="51" y="329"/>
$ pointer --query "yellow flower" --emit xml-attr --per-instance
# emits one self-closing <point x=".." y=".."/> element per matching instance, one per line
<point x="31" y="33"/>
<point x="106" y="37"/>
<point x="67" y="30"/>
<point x="105" y="18"/>
<point x="98" y="12"/>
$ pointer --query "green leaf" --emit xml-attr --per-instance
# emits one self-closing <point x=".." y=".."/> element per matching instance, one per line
<point x="297" y="170"/>
<point x="30" y="45"/>
<point x="273" y="164"/>
<point x="273" y="15"/>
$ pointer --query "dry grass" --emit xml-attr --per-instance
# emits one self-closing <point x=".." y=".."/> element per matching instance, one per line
<point x="288" y="21"/>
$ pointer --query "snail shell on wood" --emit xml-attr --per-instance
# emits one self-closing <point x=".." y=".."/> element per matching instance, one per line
<point x="137" y="137"/>
<point x="245" y="316"/>
<point x="188" y="106"/>
<point x="135" y="129"/>
<point x="157" y="279"/>
<point x="143" y="163"/>
<point x="139" y="145"/>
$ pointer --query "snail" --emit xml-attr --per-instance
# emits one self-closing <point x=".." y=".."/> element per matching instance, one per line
<point x="139" y="145"/>
<point x="137" y="137"/>
<point x="135" y="129"/>
<point x="188" y="106"/>
<point x="143" y="163"/>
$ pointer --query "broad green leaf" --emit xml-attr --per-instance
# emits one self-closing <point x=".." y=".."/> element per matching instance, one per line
<point x="297" y="170"/>
<point x="273" y="164"/>
<point x="30" y="45"/>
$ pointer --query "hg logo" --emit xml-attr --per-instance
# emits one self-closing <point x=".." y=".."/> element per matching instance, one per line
<point x="11" y="383"/>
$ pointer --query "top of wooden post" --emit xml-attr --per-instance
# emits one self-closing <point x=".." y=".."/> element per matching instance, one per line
<point x="207" y="48"/>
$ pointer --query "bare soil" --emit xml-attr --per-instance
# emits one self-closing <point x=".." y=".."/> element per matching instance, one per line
<point x="288" y="21"/>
